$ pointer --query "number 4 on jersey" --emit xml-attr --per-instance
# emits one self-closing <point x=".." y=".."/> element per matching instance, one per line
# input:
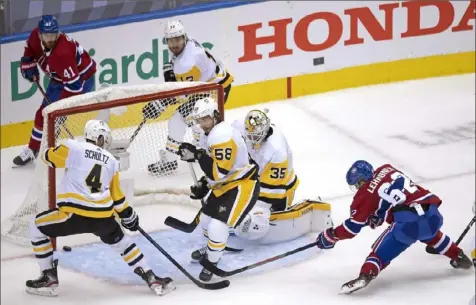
<point x="93" y="180"/>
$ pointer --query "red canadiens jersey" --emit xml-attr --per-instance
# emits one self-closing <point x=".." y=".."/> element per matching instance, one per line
<point x="67" y="63"/>
<point x="388" y="188"/>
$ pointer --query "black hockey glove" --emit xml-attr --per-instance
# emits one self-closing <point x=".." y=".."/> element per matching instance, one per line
<point x="189" y="153"/>
<point x="169" y="75"/>
<point x="375" y="221"/>
<point x="200" y="190"/>
<point x="129" y="219"/>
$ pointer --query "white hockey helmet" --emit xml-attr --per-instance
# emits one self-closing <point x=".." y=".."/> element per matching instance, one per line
<point x="205" y="107"/>
<point x="96" y="128"/>
<point x="257" y="125"/>
<point x="174" y="28"/>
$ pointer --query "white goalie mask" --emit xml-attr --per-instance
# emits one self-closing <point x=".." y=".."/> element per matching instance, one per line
<point x="174" y="28"/>
<point x="96" y="128"/>
<point x="257" y="126"/>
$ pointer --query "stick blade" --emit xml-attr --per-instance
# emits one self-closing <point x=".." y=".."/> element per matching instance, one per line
<point x="217" y="285"/>
<point x="179" y="225"/>
<point x="212" y="268"/>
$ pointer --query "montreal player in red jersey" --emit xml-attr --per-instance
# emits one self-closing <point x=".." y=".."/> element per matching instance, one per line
<point x="65" y="62"/>
<point x="387" y="195"/>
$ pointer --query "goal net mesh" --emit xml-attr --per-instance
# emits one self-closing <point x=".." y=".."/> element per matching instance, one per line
<point x="159" y="177"/>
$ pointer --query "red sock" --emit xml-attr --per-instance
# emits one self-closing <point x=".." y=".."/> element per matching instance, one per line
<point x="444" y="246"/>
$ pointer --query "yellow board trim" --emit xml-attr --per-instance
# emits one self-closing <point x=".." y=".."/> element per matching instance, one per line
<point x="384" y="72"/>
<point x="270" y="90"/>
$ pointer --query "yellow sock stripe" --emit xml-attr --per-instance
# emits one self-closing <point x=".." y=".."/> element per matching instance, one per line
<point x="43" y="249"/>
<point x="216" y="246"/>
<point x="473" y="254"/>
<point x="132" y="255"/>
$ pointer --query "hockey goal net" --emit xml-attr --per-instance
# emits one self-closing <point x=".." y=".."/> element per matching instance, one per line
<point x="142" y="113"/>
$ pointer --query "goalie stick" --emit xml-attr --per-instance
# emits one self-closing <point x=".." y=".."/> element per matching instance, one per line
<point x="209" y="286"/>
<point x="222" y="273"/>
<point x="47" y="99"/>
<point x="432" y="250"/>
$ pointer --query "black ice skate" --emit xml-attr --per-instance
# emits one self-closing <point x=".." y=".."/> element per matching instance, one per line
<point x="197" y="255"/>
<point x="157" y="284"/>
<point x="27" y="156"/>
<point x="206" y="275"/>
<point x="462" y="262"/>
<point x="361" y="282"/>
<point x="46" y="284"/>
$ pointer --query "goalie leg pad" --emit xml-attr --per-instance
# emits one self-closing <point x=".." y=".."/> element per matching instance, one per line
<point x="302" y="218"/>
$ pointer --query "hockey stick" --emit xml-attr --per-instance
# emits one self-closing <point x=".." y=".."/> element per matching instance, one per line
<point x="210" y="286"/>
<point x="222" y="273"/>
<point x="183" y="226"/>
<point x="432" y="250"/>
<point x="144" y="120"/>
<point x="136" y="132"/>
<point x="47" y="99"/>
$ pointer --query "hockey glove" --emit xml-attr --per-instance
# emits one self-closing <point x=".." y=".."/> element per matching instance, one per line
<point x="153" y="110"/>
<point x="375" y="221"/>
<point x="200" y="190"/>
<point x="129" y="219"/>
<point x="326" y="239"/>
<point x="189" y="153"/>
<point x="29" y="69"/>
<point x="169" y="75"/>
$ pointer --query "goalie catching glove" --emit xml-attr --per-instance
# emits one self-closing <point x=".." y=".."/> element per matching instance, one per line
<point x="200" y="190"/>
<point x="129" y="219"/>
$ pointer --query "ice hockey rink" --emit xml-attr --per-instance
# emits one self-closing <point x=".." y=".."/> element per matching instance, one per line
<point x="425" y="127"/>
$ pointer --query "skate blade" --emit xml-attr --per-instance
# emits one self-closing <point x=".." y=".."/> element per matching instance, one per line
<point x="20" y="166"/>
<point x="161" y="290"/>
<point x="44" y="292"/>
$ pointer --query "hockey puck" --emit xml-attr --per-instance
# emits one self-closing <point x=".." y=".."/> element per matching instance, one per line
<point x="67" y="248"/>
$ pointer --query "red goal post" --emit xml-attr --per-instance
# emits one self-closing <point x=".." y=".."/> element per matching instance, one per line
<point x="66" y="119"/>
<point x="52" y="116"/>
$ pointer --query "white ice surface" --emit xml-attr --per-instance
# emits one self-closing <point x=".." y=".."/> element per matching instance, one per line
<point x="327" y="133"/>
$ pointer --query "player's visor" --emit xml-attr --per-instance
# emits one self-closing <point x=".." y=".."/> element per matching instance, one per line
<point x="355" y="187"/>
